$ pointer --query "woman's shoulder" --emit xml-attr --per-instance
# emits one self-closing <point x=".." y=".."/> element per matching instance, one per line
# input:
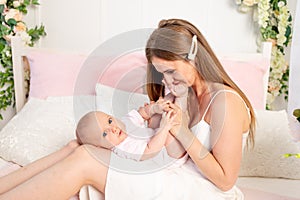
<point x="223" y="94"/>
<point x="218" y="88"/>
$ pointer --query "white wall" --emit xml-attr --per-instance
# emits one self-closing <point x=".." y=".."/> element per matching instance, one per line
<point x="83" y="25"/>
<point x="294" y="81"/>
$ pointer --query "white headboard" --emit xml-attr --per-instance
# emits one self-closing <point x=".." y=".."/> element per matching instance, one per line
<point x="18" y="52"/>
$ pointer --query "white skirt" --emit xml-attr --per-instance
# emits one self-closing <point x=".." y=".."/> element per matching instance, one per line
<point x="128" y="179"/>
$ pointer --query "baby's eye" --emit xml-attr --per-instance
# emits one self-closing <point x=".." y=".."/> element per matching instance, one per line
<point x="104" y="134"/>
<point x="110" y="120"/>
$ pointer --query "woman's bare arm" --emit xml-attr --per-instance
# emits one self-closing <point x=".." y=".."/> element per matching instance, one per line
<point x="221" y="165"/>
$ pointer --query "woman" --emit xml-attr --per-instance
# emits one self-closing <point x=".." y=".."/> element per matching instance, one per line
<point x="220" y="118"/>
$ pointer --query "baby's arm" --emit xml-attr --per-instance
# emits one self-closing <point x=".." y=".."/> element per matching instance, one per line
<point x="174" y="147"/>
<point x="158" y="141"/>
<point x="152" y="112"/>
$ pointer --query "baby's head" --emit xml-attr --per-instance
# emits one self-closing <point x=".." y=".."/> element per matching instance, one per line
<point x="100" y="129"/>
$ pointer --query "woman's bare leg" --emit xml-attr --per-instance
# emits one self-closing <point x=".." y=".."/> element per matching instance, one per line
<point x="66" y="177"/>
<point x="19" y="176"/>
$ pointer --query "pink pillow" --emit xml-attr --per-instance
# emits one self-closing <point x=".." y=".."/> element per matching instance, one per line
<point x="53" y="74"/>
<point x="249" y="76"/>
<point x="127" y="73"/>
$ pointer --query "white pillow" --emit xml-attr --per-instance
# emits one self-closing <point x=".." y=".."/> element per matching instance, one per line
<point x="272" y="141"/>
<point x="42" y="127"/>
<point x="118" y="102"/>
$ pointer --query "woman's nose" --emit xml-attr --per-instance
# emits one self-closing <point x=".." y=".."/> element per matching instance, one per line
<point x="168" y="79"/>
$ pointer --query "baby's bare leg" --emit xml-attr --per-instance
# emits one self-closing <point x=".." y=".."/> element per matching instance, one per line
<point x="174" y="147"/>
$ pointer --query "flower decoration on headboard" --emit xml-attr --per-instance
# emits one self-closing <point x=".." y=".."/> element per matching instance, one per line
<point x="275" y="24"/>
<point x="11" y="16"/>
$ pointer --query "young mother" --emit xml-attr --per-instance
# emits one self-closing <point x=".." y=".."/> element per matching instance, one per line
<point x="220" y="119"/>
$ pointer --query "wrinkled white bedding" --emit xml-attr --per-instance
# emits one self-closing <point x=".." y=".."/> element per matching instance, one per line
<point x="41" y="127"/>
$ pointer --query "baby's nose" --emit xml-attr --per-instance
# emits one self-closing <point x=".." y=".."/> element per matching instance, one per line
<point x="114" y="129"/>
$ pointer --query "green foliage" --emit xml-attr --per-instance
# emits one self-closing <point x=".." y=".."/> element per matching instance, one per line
<point x="297" y="155"/>
<point x="36" y="33"/>
<point x="296" y="113"/>
<point x="8" y="28"/>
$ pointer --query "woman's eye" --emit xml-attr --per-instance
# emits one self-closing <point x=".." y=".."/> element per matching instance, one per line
<point x="110" y="121"/>
<point x="170" y="72"/>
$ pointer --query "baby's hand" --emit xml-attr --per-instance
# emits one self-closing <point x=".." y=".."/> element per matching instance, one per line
<point x="167" y="120"/>
<point x="159" y="106"/>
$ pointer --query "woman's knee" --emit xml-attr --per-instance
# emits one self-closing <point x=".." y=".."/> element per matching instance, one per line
<point x="94" y="164"/>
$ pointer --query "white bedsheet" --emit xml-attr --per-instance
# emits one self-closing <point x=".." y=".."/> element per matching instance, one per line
<point x="287" y="188"/>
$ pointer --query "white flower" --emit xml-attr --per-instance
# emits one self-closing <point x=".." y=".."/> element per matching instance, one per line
<point x="238" y="2"/>
<point x="13" y="13"/>
<point x="248" y="2"/>
<point x="16" y="4"/>
<point x="2" y="2"/>
<point x="26" y="39"/>
<point x="243" y="8"/>
<point x="280" y="4"/>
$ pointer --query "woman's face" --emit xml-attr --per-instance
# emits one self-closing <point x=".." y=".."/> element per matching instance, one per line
<point x="175" y="73"/>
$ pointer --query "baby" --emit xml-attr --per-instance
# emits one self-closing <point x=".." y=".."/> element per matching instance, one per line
<point x="129" y="137"/>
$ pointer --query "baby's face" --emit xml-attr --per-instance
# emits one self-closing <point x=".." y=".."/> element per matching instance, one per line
<point x="112" y="129"/>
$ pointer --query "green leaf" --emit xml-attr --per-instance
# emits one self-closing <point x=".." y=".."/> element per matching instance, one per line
<point x="287" y="155"/>
<point x="11" y="22"/>
<point x="2" y="46"/>
<point x="296" y="112"/>
<point x="1" y="8"/>
<point x="35" y="2"/>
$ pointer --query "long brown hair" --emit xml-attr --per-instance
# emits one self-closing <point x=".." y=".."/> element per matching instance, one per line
<point x="172" y="41"/>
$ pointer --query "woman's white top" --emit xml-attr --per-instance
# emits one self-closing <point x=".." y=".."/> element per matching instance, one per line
<point x="144" y="180"/>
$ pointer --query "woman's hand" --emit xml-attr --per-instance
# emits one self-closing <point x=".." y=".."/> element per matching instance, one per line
<point x="181" y="121"/>
<point x="73" y="144"/>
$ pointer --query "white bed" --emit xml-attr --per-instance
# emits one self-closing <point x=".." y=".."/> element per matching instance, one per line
<point x="47" y="120"/>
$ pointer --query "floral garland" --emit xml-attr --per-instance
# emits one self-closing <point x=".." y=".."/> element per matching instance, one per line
<point x="275" y="25"/>
<point x="11" y="15"/>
